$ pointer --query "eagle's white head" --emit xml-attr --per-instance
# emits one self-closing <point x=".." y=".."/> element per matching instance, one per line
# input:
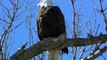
<point x="45" y="3"/>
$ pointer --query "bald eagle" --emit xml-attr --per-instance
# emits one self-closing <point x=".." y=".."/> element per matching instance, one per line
<point x="50" y="23"/>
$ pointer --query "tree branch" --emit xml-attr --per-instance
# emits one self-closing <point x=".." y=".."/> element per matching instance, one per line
<point x="97" y="54"/>
<point x="58" y="43"/>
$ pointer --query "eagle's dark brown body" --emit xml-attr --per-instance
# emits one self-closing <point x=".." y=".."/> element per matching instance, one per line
<point x="51" y="23"/>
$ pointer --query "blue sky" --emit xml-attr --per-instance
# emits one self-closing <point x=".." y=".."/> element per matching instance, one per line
<point x="21" y="35"/>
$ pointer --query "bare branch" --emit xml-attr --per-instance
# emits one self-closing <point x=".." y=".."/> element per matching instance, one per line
<point x="74" y="28"/>
<point x="102" y="11"/>
<point x="51" y="43"/>
<point x="97" y="54"/>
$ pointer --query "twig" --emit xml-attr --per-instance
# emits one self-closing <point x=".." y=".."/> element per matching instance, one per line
<point x="102" y="11"/>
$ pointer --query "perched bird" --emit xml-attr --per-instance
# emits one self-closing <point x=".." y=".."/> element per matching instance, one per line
<point x="50" y="23"/>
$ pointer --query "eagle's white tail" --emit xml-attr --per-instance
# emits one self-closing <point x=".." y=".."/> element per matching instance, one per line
<point x="53" y="54"/>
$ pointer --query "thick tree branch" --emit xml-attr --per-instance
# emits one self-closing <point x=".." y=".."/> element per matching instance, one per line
<point x="58" y="43"/>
